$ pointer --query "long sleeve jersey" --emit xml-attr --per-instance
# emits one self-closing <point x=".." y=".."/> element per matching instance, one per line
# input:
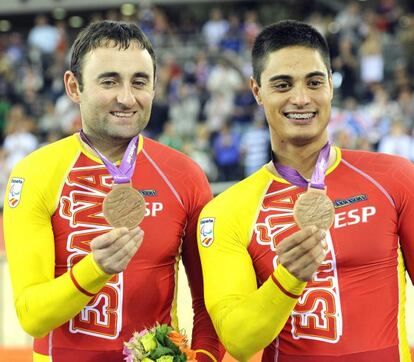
<point x="353" y="308"/>
<point x="53" y="209"/>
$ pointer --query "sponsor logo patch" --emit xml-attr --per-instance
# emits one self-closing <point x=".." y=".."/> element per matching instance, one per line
<point x="16" y="186"/>
<point x="207" y="231"/>
<point x="148" y="192"/>
<point x="349" y="201"/>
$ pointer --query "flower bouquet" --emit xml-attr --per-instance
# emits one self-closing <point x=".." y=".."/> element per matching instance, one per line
<point x="158" y="344"/>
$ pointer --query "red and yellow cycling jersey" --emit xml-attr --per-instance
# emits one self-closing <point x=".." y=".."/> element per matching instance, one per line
<point x="53" y="211"/>
<point x="353" y="309"/>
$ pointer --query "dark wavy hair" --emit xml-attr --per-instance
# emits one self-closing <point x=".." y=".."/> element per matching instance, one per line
<point x="104" y="34"/>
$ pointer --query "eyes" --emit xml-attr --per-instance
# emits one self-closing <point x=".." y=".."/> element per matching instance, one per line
<point x="285" y="85"/>
<point x="109" y="83"/>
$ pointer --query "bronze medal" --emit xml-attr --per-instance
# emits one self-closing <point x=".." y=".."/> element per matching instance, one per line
<point x="124" y="206"/>
<point x="314" y="208"/>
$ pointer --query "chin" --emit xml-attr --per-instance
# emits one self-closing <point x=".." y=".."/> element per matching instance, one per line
<point x="124" y="132"/>
<point x="302" y="140"/>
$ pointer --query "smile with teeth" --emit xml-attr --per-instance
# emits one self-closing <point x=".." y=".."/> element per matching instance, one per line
<point x="300" y="115"/>
<point x="123" y="114"/>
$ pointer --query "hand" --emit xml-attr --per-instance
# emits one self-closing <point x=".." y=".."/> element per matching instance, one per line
<point x="302" y="252"/>
<point x="113" y="251"/>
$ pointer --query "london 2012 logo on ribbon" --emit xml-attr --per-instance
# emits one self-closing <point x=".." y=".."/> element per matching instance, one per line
<point x="16" y="186"/>
<point x="207" y="231"/>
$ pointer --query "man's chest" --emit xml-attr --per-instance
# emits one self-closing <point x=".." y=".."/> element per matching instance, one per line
<point x="79" y="217"/>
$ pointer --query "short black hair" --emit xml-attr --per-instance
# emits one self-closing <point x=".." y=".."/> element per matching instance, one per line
<point x="103" y="34"/>
<point x="284" y="34"/>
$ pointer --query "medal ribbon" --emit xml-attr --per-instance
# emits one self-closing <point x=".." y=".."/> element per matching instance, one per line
<point x="123" y="173"/>
<point x="318" y="175"/>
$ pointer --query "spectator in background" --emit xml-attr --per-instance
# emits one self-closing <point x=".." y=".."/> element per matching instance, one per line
<point x="346" y="63"/>
<point x="159" y="114"/>
<point x="397" y="142"/>
<point x="43" y="36"/>
<point x="406" y="38"/>
<point x="232" y="40"/>
<point x="255" y="147"/>
<point x="202" y="157"/>
<point x="215" y="29"/>
<point x="244" y="107"/>
<point x="170" y="138"/>
<point x="217" y="109"/>
<point x="4" y="175"/>
<point x="371" y="59"/>
<point x="19" y="140"/>
<point x="388" y="15"/>
<point x="5" y="107"/>
<point x="43" y="40"/>
<point x="184" y="110"/>
<point x="251" y="27"/>
<point x="15" y="50"/>
<point x="224" y="78"/>
<point x="380" y="113"/>
<point x="222" y="83"/>
<point x="226" y="148"/>
<point x="48" y="122"/>
<point x="349" y="20"/>
<point x="67" y="114"/>
<point x="405" y="102"/>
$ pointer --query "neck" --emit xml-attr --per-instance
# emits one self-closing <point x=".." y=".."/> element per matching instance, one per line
<point x="301" y="158"/>
<point x="112" y="148"/>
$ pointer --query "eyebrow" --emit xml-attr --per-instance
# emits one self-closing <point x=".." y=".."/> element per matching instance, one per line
<point x="117" y="75"/>
<point x="289" y="77"/>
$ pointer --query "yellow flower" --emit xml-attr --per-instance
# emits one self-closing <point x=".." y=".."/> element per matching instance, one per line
<point x="165" y="359"/>
<point x="149" y="342"/>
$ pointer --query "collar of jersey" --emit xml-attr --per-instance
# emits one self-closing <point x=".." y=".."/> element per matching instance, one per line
<point x="93" y="156"/>
<point x="328" y="171"/>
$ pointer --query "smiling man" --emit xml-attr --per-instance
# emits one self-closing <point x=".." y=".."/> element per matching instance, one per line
<point x="320" y="292"/>
<point x="81" y="286"/>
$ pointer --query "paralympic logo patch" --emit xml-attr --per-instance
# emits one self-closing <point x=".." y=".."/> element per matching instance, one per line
<point x="15" y="192"/>
<point x="207" y="231"/>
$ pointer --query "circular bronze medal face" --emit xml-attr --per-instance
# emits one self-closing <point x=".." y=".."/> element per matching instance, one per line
<point x="314" y="208"/>
<point x="124" y="206"/>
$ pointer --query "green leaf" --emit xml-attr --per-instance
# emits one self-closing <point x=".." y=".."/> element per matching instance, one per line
<point x="161" y="351"/>
<point x="170" y="344"/>
<point x="161" y="333"/>
<point x="181" y="358"/>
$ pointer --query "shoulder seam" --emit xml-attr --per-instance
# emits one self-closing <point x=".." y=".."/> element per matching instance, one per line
<point x="372" y="180"/>
<point x="164" y="177"/>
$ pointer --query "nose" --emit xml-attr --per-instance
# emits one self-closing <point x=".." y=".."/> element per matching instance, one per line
<point x="126" y="97"/>
<point x="300" y="96"/>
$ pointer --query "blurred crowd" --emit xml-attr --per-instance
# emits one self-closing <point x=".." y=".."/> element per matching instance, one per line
<point x="203" y="103"/>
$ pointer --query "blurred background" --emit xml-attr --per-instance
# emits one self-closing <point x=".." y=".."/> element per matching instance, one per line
<point x="203" y="105"/>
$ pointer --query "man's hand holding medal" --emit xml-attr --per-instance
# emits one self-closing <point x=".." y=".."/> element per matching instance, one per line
<point x="124" y="209"/>
<point x="302" y="252"/>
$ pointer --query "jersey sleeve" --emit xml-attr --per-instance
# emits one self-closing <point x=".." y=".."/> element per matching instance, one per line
<point x="204" y="337"/>
<point x="246" y="318"/>
<point x="42" y="301"/>
<point x="402" y="178"/>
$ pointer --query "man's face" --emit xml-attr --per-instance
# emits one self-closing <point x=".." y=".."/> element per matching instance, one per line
<point x="118" y="89"/>
<point x="296" y="93"/>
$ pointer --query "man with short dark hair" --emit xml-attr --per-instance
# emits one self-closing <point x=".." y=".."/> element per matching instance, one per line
<point x="306" y="258"/>
<point x="84" y="275"/>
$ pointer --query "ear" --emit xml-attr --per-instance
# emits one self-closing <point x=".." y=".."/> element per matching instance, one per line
<point x="72" y="86"/>
<point x="331" y="85"/>
<point x="255" y="88"/>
